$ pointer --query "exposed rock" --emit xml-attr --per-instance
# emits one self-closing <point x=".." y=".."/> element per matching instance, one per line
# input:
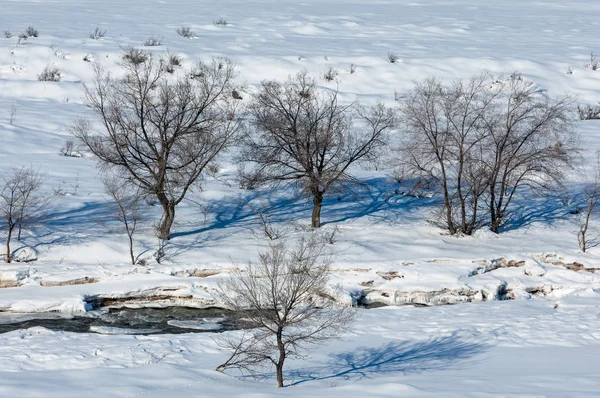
<point x="543" y="290"/>
<point x="156" y="298"/>
<point x="197" y="272"/>
<point x="495" y="264"/>
<point x="367" y="284"/>
<point x="78" y="281"/>
<point x="432" y="298"/>
<point x="389" y="275"/>
<point x="559" y="261"/>
<point x="9" y="283"/>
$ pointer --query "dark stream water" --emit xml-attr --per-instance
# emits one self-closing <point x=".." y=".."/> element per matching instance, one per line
<point x="124" y="321"/>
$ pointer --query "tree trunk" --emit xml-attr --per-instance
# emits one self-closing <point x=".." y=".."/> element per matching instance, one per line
<point x="8" y="257"/>
<point x="166" y="222"/>
<point x="316" y="213"/>
<point x="496" y="220"/>
<point x="279" y="364"/>
<point x="131" y="248"/>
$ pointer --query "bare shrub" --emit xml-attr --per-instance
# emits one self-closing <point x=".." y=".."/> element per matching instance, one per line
<point x="152" y="41"/>
<point x="186" y="31"/>
<point x="20" y="201"/>
<point x="267" y="229"/>
<point x="286" y="300"/>
<point x="330" y="236"/>
<point x="352" y="69"/>
<point x="58" y="52"/>
<point x="304" y="135"/>
<point x="32" y="32"/>
<point x="588" y="112"/>
<point x="220" y="22"/>
<point x="330" y="74"/>
<point x="127" y="201"/>
<point x="50" y="74"/>
<point x="69" y="150"/>
<point x="393" y="58"/>
<point x="592" y="197"/>
<point x="22" y="38"/>
<point x="161" y="132"/>
<point x="6" y="34"/>
<point x="12" y="114"/>
<point x="88" y="57"/>
<point x="135" y="56"/>
<point x="569" y="70"/>
<point x="594" y="63"/>
<point x="172" y="62"/>
<point x="97" y="34"/>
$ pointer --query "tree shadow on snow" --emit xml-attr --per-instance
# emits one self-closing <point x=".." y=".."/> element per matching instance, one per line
<point x="394" y="357"/>
<point x="547" y="210"/>
<point x="376" y="198"/>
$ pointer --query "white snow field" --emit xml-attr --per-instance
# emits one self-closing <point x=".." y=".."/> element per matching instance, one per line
<point x="543" y="343"/>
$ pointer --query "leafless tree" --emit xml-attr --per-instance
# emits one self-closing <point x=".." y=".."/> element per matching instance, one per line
<point x="444" y="143"/>
<point x="285" y="307"/>
<point x="305" y="135"/>
<point x="20" y="201"/>
<point x="592" y="197"/>
<point x="161" y="130"/>
<point x="483" y="142"/>
<point x="128" y="201"/>
<point x="530" y="143"/>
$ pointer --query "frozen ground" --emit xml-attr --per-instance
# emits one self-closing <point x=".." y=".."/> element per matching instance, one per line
<point x="524" y="347"/>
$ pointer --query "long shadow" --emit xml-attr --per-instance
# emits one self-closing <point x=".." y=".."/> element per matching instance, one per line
<point x="547" y="209"/>
<point x="376" y="198"/>
<point x="394" y="357"/>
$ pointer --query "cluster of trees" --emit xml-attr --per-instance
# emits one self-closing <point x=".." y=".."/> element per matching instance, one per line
<point x="480" y="142"/>
<point x="483" y="142"/>
<point x="161" y="133"/>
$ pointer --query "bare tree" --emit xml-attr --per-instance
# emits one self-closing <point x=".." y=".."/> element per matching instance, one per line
<point x="306" y="136"/>
<point x="20" y="201"/>
<point x="284" y="299"/>
<point x="530" y="143"/>
<point x="483" y="142"/>
<point x="592" y="197"/>
<point x="445" y="143"/>
<point x="162" y="131"/>
<point x="127" y="200"/>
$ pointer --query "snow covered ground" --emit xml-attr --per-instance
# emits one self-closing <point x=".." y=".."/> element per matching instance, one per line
<point x="525" y="347"/>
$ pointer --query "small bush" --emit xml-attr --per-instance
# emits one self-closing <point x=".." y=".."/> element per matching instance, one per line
<point x="186" y="31"/>
<point x="135" y="56"/>
<point x="393" y="58"/>
<point x="49" y="74"/>
<point x="152" y="41"/>
<point x="88" y="57"/>
<point x="58" y="52"/>
<point x="7" y="34"/>
<point x="68" y="149"/>
<point x="569" y="70"/>
<point x="32" y="32"/>
<point x="220" y="22"/>
<point x="352" y="69"/>
<point x="97" y="34"/>
<point x="22" y="38"/>
<point x="173" y="62"/>
<point x="594" y="62"/>
<point x="589" y="112"/>
<point x="330" y="74"/>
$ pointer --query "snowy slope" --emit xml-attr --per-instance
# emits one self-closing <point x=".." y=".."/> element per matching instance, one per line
<point x="380" y="235"/>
